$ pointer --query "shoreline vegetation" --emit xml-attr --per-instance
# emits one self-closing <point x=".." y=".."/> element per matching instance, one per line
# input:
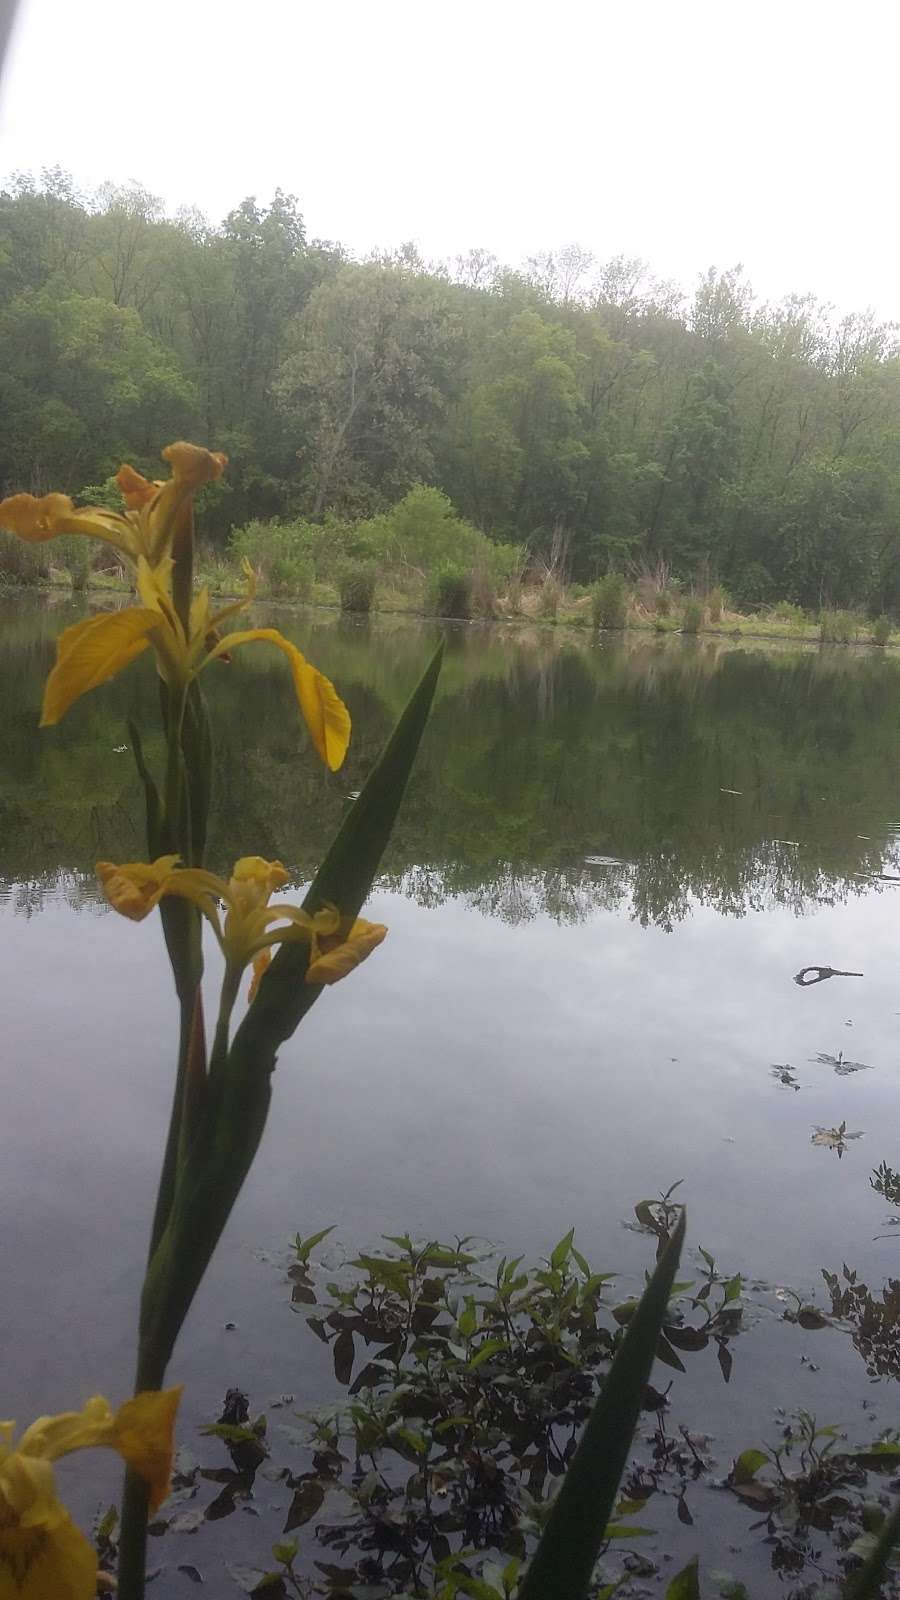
<point x="455" y="574"/>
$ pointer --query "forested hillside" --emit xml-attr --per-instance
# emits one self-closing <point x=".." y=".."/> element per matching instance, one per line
<point x="569" y="404"/>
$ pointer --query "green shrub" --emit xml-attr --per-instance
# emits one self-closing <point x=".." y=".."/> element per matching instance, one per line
<point x="881" y="630"/>
<point x="663" y="602"/>
<point x="356" y="586"/>
<point x="716" y="602"/>
<point x="837" y="627"/>
<point x="786" y="611"/>
<point x="692" y="616"/>
<point x="284" y="554"/>
<point x="106" y="494"/>
<point x="22" y="563"/>
<point x="450" y="591"/>
<point x="609" y="601"/>
<point x="73" y="554"/>
<point x="752" y="586"/>
<point x="292" y="575"/>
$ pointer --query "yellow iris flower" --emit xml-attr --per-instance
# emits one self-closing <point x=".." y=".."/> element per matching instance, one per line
<point x="42" y="1552"/>
<point x="251" y="926"/>
<point x="95" y="650"/>
<point x="145" y="528"/>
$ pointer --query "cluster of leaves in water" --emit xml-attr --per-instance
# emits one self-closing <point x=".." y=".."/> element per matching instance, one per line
<point x="469" y="1379"/>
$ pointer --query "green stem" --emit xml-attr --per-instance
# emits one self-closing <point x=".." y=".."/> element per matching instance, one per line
<point x="136" y="1502"/>
<point x="173" y="1139"/>
<point x="231" y="983"/>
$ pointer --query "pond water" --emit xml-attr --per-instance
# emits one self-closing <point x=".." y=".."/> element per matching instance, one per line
<point x="612" y="861"/>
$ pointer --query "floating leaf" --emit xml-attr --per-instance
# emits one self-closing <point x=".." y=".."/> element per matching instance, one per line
<point x="748" y="1465"/>
<point x="307" y="1499"/>
<point x="686" y="1584"/>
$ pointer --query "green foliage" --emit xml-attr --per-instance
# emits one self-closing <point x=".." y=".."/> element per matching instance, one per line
<point x="716" y="602"/>
<point x="356" y="586"/>
<point x="692" y="616"/>
<point x="715" y="435"/>
<point x="751" y="585"/>
<point x="609" y="601"/>
<point x="882" y="628"/>
<point x="106" y="494"/>
<point x="22" y="563"/>
<point x="786" y="611"/>
<point x="73" y="553"/>
<point x="838" y="627"/>
<point x="450" y="591"/>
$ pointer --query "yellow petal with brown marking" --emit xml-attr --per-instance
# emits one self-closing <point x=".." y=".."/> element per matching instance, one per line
<point x="344" y="956"/>
<point x="135" y="887"/>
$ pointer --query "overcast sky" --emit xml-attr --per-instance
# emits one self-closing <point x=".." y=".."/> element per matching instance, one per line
<point x="692" y="134"/>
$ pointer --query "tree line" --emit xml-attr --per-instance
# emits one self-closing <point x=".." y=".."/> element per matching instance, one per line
<point x="587" y="410"/>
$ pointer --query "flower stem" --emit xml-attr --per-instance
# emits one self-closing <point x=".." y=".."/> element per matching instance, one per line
<point x="132" y="1572"/>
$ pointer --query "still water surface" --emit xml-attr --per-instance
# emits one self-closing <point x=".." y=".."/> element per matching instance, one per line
<point x="612" y="860"/>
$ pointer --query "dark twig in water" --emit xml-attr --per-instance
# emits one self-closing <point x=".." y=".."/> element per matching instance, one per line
<point x="822" y="973"/>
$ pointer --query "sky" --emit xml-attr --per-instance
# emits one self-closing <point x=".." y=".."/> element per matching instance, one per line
<point x="692" y="134"/>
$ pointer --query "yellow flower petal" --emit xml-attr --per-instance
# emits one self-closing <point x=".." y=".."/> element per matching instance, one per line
<point x="92" y="652"/>
<point x="341" y="958"/>
<point x="136" y="490"/>
<point x="324" y="712"/>
<point x="253" y="880"/>
<point x="144" y="1435"/>
<point x="48" y="1438"/>
<point x="192" y="465"/>
<point x="34" y="519"/>
<point x="260" y="963"/>
<point x="136" y="887"/>
<point x="42" y="1553"/>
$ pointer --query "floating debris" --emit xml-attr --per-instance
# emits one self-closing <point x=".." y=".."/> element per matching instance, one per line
<point x="785" y="1076"/>
<point x="603" y="861"/>
<point x="834" y="1138"/>
<point x="841" y="1065"/>
<point x="731" y="791"/>
<point x="822" y="973"/>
